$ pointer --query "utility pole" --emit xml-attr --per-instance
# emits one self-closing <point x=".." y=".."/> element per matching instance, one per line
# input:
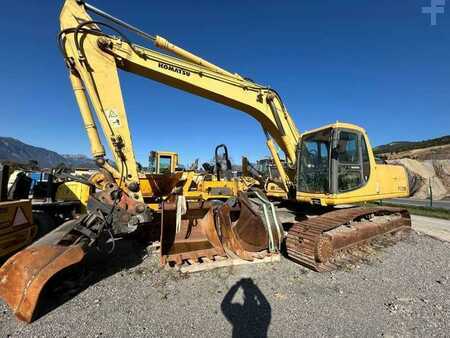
<point x="431" y="192"/>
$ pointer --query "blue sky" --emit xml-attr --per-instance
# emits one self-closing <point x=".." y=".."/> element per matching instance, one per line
<point x="378" y="64"/>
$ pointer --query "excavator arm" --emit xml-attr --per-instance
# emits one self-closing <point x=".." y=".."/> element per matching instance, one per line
<point x="94" y="57"/>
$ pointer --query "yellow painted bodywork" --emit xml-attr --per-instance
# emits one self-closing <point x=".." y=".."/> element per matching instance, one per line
<point x="204" y="189"/>
<point x="385" y="181"/>
<point x="273" y="190"/>
<point x="16" y="230"/>
<point x="74" y="191"/>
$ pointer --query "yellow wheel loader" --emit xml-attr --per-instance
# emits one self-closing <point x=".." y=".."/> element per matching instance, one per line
<point x="329" y="166"/>
<point x="215" y="182"/>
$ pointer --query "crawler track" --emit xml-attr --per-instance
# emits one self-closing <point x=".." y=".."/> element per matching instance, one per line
<point x="316" y="242"/>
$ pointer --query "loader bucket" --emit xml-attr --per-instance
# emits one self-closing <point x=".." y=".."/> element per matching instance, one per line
<point x="24" y="275"/>
<point x="163" y="184"/>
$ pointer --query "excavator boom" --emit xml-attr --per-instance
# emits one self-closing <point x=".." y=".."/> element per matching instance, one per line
<point x="86" y="47"/>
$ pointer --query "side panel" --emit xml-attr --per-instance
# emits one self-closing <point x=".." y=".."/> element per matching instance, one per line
<point x="16" y="227"/>
<point x="74" y="191"/>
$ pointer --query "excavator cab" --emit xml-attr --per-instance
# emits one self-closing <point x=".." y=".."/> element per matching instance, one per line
<point x="163" y="162"/>
<point x="336" y="165"/>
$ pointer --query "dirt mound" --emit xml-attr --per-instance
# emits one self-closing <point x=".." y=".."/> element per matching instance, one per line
<point x="422" y="174"/>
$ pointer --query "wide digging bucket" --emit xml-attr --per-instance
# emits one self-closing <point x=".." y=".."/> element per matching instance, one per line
<point x="204" y="230"/>
<point x="24" y="275"/>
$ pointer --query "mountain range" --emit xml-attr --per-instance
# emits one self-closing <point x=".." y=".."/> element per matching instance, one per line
<point x="14" y="150"/>
<point x="395" y="147"/>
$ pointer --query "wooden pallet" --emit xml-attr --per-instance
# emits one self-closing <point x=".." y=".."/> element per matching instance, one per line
<point x="220" y="262"/>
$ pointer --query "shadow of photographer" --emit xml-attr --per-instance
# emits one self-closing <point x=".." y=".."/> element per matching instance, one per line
<point x="252" y="317"/>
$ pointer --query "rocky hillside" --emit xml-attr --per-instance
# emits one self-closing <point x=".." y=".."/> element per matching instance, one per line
<point x="14" y="150"/>
<point x="427" y="163"/>
<point x="433" y="149"/>
<point x="423" y="174"/>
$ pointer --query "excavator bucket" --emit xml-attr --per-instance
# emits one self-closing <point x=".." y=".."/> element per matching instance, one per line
<point x="236" y="228"/>
<point x="189" y="236"/>
<point x="257" y="227"/>
<point x="24" y="275"/>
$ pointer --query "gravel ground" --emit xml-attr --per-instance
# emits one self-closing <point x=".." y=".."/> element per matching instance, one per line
<point x="402" y="290"/>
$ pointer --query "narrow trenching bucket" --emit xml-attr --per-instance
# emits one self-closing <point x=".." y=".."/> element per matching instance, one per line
<point x="24" y="275"/>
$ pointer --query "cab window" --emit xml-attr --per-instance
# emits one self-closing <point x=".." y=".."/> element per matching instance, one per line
<point x="314" y="163"/>
<point x="151" y="163"/>
<point x="349" y="163"/>
<point x="348" y="147"/>
<point x="165" y="164"/>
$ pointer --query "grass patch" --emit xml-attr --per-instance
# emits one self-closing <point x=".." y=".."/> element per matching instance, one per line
<point x="420" y="211"/>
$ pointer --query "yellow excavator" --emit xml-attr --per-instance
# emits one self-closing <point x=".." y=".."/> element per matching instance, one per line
<point x="328" y="166"/>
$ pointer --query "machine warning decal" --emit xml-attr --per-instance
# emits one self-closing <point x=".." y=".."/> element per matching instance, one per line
<point x="174" y="69"/>
<point x="19" y="218"/>
<point x="113" y="118"/>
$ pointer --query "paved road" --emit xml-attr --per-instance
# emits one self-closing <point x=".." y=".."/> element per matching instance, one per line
<point x="434" y="227"/>
<point x="445" y="204"/>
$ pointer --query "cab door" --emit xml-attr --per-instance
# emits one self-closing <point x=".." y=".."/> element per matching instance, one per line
<point x="350" y="161"/>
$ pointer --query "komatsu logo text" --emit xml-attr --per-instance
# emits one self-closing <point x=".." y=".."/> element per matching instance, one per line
<point x="174" y="69"/>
